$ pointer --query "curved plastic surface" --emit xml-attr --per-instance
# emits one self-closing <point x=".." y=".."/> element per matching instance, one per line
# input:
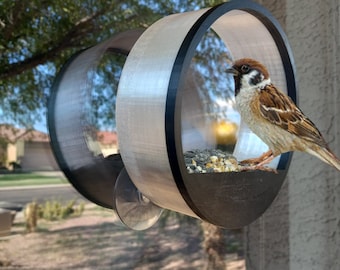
<point x="74" y="137"/>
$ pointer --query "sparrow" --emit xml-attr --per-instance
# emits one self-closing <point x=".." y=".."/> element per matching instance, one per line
<point x="274" y="117"/>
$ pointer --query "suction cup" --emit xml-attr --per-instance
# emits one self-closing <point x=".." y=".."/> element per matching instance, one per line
<point x="135" y="210"/>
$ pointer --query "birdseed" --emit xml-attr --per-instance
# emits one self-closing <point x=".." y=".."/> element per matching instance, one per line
<point x="210" y="161"/>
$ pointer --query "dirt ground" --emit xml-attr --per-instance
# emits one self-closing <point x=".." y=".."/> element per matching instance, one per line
<point x="95" y="241"/>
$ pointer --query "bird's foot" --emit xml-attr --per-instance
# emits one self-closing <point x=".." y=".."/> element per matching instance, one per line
<point x="254" y="164"/>
<point x="257" y="168"/>
<point x="258" y="160"/>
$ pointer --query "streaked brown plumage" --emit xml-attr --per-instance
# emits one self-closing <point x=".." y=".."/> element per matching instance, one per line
<point x="274" y="117"/>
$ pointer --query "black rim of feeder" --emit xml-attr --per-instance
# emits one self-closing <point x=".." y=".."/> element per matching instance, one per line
<point x="246" y="195"/>
<point x="102" y="174"/>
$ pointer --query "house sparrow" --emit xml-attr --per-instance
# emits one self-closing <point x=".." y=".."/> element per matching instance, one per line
<point x="274" y="117"/>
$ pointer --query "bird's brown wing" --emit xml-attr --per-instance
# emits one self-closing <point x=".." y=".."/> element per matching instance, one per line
<point x="280" y="110"/>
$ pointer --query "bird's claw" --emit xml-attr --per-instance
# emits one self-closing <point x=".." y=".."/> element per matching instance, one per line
<point x="250" y="161"/>
<point x="257" y="168"/>
<point x="263" y="159"/>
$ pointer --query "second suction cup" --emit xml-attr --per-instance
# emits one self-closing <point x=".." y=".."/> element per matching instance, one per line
<point x="134" y="209"/>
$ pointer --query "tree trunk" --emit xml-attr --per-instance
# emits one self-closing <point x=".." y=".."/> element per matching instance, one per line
<point x="214" y="247"/>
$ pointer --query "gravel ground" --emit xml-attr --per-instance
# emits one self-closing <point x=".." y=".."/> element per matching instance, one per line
<point x="95" y="241"/>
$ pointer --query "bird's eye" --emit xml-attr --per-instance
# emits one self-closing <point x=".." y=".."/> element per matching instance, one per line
<point x="244" y="68"/>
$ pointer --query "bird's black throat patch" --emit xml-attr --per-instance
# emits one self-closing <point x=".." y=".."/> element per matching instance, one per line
<point x="237" y="81"/>
<point x="256" y="79"/>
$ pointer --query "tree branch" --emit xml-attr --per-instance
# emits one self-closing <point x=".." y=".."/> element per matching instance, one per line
<point x="14" y="19"/>
<point x="71" y="39"/>
<point x="81" y="28"/>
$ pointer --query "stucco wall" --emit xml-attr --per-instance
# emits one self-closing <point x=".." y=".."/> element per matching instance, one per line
<point x="301" y="230"/>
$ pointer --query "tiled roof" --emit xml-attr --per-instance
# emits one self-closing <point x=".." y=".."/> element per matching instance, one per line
<point x="107" y="137"/>
<point x="12" y="134"/>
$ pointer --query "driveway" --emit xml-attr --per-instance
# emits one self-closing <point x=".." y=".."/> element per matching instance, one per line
<point x="23" y="195"/>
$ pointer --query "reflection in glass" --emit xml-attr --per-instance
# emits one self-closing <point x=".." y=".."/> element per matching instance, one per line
<point x="209" y="119"/>
<point x="100" y="105"/>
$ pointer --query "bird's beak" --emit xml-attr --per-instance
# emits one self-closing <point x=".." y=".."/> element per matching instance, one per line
<point x="232" y="71"/>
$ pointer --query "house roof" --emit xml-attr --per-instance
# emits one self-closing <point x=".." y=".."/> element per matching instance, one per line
<point x="107" y="137"/>
<point x="13" y="134"/>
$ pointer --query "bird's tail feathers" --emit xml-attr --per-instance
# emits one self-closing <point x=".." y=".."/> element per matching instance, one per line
<point x="326" y="156"/>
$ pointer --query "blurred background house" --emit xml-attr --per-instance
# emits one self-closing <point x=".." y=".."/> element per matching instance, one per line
<point x="108" y="142"/>
<point x="30" y="150"/>
<point x="25" y="149"/>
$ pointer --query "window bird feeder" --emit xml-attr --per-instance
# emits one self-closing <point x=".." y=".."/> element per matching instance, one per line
<point x="180" y="136"/>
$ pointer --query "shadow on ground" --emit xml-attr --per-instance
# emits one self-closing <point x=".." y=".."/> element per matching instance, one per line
<point x="98" y="243"/>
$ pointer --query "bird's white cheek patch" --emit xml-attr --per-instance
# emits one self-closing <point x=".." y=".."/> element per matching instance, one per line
<point x="263" y="84"/>
<point x="246" y="80"/>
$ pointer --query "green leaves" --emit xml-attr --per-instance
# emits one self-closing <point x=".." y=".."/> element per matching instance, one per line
<point x="37" y="37"/>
